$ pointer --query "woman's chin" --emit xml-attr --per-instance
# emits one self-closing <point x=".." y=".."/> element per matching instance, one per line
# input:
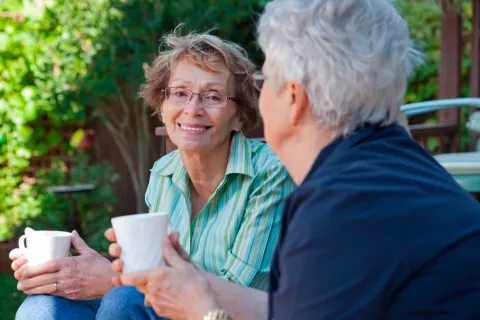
<point x="192" y="147"/>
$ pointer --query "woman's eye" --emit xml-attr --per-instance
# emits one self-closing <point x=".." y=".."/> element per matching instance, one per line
<point x="213" y="97"/>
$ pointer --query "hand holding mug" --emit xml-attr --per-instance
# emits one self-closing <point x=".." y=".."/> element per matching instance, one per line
<point x="41" y="246"/>
<point x="140" y="237"/>
<point x="82" y="277"/>
<point x="177" y="291"/>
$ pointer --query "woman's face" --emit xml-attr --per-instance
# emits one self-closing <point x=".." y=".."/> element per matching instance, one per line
<point x="192" y="126"/>
<point x="274" y="112"/>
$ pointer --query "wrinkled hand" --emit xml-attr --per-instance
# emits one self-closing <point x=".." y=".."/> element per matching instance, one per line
<point x="82" y="277"/>
<point x="179" y="291"/>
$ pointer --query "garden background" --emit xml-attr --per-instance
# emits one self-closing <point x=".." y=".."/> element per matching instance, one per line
<point x="69" y="111"/>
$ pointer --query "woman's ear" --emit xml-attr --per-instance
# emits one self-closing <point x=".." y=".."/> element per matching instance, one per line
<point x="299" y="102"/>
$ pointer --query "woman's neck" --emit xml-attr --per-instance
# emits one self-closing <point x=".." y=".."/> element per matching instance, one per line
<point x="206" y="170"/>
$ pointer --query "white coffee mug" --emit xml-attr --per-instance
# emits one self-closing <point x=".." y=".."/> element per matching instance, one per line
<point x="140" y="239"/>
<point x="42" y="246"/>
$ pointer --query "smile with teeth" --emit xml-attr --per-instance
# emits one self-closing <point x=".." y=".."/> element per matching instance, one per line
<point x="195" y="128"/>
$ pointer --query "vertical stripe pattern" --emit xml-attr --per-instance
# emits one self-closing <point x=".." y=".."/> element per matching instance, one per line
<point x="235" y="234"/>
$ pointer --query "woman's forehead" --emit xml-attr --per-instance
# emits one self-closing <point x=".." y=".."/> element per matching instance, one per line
<point x="191" y="73"/>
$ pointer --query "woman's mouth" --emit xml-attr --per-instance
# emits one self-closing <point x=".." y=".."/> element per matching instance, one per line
<point x="193" y="128"/>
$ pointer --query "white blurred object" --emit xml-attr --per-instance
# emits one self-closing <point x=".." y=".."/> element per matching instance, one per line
<point x="473" y="125"/>
<point x="474" y="122"/>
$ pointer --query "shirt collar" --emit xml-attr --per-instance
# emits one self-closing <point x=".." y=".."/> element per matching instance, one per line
<point x="341" y="144"/>
<point x="239" y="160"/>
<point x="240" y="157"/>
<point x="167" y="168"/>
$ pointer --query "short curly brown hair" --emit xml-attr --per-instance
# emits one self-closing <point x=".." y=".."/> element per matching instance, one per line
<point x="204" y="50"/>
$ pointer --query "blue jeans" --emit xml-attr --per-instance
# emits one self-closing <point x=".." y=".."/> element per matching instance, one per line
<point x="120" y="303"/>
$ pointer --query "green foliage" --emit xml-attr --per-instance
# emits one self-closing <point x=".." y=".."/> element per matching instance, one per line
<point x="55" y="211"/>
<point x="135" y="28"/>
<point x="42" y="55"/>
<point x="424" y="19"/>
<point x="40" y="60"/>
<point x="424" y="23"/>
<point x="10" y="297"/>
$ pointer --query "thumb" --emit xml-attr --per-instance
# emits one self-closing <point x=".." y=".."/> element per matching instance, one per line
<point x="174" y="240"/>
<point x="171" y="256"/>
<point x="174" y="237"/>
<point x="79" y="244"/>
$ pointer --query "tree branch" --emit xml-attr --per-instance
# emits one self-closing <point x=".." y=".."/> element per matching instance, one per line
<point x="123" y="147"/>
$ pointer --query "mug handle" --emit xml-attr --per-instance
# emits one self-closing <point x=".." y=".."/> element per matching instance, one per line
<point x="21" y="242"/>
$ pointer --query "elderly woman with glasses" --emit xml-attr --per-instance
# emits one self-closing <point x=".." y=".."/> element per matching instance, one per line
<point x="224" y="193"/>
<point x="376" y="229"/>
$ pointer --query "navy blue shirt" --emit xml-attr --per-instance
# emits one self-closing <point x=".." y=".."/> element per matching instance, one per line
<point x="377" y="230"/>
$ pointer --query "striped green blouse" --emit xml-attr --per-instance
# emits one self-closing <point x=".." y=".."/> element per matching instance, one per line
<point x="235" y="234"/>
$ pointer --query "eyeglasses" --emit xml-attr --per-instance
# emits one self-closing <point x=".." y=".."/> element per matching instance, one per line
<point x="209" y="99"/>
<point x="258" y="79"/>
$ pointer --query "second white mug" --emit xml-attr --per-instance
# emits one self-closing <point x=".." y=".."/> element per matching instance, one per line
<point x="140" y="238"/>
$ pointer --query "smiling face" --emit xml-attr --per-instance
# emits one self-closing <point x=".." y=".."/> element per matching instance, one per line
<point x="193" y="127"/>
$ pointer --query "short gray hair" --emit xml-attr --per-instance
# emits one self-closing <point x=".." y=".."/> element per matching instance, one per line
<point x="352" y="56"/>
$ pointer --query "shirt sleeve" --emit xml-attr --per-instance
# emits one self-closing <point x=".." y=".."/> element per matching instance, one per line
<point x="249" y="259"/>
<point x="331" y="265"/>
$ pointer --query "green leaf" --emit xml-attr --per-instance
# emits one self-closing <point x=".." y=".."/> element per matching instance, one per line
<point x="4" y="41"/>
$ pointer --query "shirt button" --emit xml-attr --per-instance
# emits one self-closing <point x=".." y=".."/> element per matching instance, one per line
<point x="196" y="230"/>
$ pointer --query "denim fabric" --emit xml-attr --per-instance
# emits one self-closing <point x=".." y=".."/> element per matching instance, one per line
<point x="45" y="307"/>
<point x="125" y="303"/>
<point x="119" y="304"/>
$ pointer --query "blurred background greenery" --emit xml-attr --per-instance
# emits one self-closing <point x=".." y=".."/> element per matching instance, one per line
<point x="76" y="63"/>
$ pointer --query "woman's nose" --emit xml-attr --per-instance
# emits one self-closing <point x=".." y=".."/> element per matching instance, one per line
<point x="194" y="106"/>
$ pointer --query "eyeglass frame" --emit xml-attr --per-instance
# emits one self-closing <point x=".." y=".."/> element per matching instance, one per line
<point x="164" y="91"/>
<point x="258" y="76"/>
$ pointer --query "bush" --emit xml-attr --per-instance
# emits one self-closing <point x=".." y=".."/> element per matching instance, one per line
<point x="55" y="211"/>
<point x="43" y="51"/>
